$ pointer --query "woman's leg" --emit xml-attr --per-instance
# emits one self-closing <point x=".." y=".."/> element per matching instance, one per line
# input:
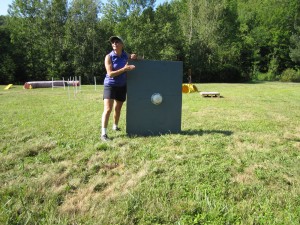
<point x="117" y="111"/>
<point x="108" y="106"/>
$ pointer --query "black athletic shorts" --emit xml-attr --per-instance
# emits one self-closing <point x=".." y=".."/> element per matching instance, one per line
<point x="116" y="93"/>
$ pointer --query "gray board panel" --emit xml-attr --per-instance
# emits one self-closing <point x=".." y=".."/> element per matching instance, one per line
<point x="149" y="77"/>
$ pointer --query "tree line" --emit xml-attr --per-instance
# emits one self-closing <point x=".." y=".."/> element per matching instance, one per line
<point x="218" y="41"/>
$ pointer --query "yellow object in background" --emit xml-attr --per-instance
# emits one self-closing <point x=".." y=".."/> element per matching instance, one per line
<point x="189" y="88"/>
<point x="8" y="86"/>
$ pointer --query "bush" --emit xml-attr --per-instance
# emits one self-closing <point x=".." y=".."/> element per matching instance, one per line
<point x="290" y="75"/>
<point x="266" y="76"/>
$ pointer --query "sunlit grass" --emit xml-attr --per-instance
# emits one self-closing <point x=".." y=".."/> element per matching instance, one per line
<point x="236" y="160"/>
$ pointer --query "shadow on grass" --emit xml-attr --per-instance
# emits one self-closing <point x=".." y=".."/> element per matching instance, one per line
<point x="185" y="132"/>
<point x="203" y="132"/>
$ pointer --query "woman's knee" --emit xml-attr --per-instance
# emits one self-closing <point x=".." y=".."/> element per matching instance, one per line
<point x="107" y="110"/>
<point x="108" y="106"/>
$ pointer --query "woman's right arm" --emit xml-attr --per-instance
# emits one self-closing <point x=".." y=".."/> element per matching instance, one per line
<point x="113" y="73"/>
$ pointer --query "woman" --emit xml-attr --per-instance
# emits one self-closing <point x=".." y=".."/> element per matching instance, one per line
<point x="114" y="95"/>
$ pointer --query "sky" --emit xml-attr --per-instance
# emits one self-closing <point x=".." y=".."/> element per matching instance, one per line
<point x="4" y="5"/>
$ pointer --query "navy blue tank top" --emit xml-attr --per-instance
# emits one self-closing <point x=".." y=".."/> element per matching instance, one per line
<point x="118" y="62"/>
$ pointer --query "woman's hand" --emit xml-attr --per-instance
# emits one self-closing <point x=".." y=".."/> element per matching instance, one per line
<point x="128" y="67"/>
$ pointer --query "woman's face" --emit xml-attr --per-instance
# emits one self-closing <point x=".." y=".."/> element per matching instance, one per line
<point x="117" y="45"/>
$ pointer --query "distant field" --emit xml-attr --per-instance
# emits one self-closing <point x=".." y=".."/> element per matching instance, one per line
<point x="237" y="160"/>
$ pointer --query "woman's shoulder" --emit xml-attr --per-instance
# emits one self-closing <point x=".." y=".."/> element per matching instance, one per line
<point x="110" y="54"/>
<point x="108" y="58"/>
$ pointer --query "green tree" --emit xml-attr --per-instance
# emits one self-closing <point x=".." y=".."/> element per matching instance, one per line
<point x="26" y="25"/>
<point x="81" y="36"/>
<point x="295" y="46"/>
<point x="227" y="40"/>
<point x="266" y="27"/>
<point x="168" y="36"/>
<point x="132" y="20"/>
<point x="7" y="64"/>
<point x="53" y="35"/>
<point x="210" y="30"/>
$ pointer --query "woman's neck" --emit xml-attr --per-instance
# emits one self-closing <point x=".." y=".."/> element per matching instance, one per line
<point x="118" y="52"/>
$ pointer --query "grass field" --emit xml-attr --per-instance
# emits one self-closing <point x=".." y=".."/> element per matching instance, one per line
<point x="237" y="160"/>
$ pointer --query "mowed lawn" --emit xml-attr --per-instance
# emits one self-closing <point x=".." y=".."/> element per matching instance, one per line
<point x="236" y="161"/>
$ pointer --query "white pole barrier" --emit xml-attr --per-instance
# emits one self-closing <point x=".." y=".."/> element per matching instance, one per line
<point x="76" y="81"/>
<point x="95" y="83"/>
<point x="79" y="83"/>
<point x="52" y="83"/>
<point x="68" y="89"/>
<point x="74" y="87"/>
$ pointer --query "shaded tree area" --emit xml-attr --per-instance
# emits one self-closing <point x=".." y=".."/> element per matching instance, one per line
<point x="220" y="41"/>
<point x="8" y="67"/>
